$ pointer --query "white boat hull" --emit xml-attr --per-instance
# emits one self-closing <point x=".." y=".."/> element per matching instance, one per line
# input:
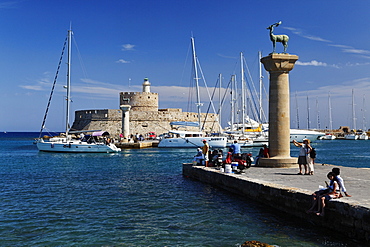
<point x="75" y="146"/>
<point x="328" y="137"/>
<point x="192" y="142"/>
<point x="299" y="135"/>
<point x="351" y="137"/>
<point x="363" y="136"/>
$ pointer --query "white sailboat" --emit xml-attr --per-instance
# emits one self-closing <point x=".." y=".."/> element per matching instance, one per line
<point x="353" y="135"/>
<point x="329" y="136"/>
<point x="363" y="135"/>
<point x="191" y="139"/>
<point x="97" y="142"/>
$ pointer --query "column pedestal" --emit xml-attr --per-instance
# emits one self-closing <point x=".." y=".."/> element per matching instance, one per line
<point x="279" y="66"/>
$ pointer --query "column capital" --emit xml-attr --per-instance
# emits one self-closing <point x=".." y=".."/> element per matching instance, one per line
<point x="277" y="62"/>
<point x="125" y="107"/>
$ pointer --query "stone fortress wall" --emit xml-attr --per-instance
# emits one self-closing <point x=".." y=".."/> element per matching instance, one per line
<point x="144" y="115"/>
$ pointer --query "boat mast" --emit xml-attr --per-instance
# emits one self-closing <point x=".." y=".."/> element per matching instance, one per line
<point x="196" y="82"/>
<point x="330" y="117"/>
<point x="296" y="103"/>
<point x="353" y="111"/>
<point x="261" y="84"/>
<point x="243" y="92"/>
<point x="68" y="97"/>
<point x="363" y="114"/>
<point x="220" y="102"/>
<point x="308" y="114"/>
<point x="318" y="114"/>
<point x="232" y="101"/>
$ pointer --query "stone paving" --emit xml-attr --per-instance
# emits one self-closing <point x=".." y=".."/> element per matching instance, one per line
<point x="356" y="180"/>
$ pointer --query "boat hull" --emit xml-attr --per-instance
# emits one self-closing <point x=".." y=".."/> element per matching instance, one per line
<point x="76" y="147"/>
<point x="192" y="142"/>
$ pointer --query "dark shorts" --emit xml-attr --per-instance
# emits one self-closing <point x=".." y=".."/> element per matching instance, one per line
<point x="302" y="160"/>
<point x="327" y="197"/>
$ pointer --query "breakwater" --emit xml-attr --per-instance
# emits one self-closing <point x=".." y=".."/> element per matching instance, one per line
<point x="282" y="189"/>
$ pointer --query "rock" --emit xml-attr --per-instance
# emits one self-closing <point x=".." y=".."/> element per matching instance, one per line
<point x="254" y="243"/>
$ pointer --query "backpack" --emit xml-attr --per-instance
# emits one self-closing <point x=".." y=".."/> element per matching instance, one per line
<point x="313" y="153"/>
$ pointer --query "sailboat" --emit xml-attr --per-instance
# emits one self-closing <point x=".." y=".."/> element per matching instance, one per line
<point x="363" y="135"/>
<point x="191" y="139"/>
<point x="329" y="136"/>
<point x="353" y="135"/>
<point x="97" y="142"/>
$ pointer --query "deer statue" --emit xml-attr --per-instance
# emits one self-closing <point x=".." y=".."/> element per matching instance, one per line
<point x="278" y="38"/>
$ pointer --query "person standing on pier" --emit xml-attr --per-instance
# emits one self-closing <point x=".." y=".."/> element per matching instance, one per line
<point x="205" y="150"/>
<point x="302" y="158"/>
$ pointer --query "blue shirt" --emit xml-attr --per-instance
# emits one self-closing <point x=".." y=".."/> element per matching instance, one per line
<point x="236" y="148"/>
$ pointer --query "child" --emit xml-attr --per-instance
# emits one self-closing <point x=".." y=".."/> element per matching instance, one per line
<point x="336" y="171"/>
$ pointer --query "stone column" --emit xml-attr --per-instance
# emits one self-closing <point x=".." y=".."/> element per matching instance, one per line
<point x="125" y="120"/>
<point x="279" y="65"/>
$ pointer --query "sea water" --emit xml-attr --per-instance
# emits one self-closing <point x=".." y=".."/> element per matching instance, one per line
<point x="139" y="197"/>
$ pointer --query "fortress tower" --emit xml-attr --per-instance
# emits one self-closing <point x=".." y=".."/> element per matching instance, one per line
<point x="144" y="101"/>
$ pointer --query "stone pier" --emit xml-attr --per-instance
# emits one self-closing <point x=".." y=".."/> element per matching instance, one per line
<point x="279" y="66"/>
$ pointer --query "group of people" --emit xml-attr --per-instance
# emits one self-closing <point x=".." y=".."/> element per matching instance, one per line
<point x="334" y="190"/>
<point x="306" y="158"/>
<point x="202" y="154"/>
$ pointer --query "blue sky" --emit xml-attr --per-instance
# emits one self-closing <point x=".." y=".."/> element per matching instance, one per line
<point x="122" y="42"/>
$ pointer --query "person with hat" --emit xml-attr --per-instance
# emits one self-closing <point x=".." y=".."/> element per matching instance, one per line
<point x="205" y="150"/>
<point x="302" y="158"/>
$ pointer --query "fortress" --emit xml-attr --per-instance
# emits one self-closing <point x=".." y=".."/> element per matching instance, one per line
<point x="139" y="113"/>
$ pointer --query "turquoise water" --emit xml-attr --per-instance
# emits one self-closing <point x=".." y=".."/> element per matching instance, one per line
<point x="134" y="198"/>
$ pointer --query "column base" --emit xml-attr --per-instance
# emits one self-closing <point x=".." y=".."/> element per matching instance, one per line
<point x="278" y="162"/>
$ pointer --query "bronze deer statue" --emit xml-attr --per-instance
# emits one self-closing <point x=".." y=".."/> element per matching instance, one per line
<point x="278" y="38"/>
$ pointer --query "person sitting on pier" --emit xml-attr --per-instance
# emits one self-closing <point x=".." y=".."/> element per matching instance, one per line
<point x="319" y="197"/>
<point x="236" y="150"/>
<point x="336" y="171"/>
<point x="198" y="158"/>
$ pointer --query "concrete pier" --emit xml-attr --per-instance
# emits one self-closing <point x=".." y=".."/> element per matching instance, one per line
<point x="286" y="191"/>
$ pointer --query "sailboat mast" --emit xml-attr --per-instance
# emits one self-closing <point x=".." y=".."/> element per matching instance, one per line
<point x="296" y="103"/>
<point x="308" y="114"/>
<point x="353" y="111"/>
<point x="220" y="102"/>
<point x="243" y="92"/>
<point x="68" y="97"/>
<point x="196" y="82"/>
<point x="330" y="117"/>
<point x="232" y="101"/>
<point x="261" y="85"/>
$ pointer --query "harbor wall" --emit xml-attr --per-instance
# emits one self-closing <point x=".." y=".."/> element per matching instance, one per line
<point x="141" y="122"/>
<point x="349" y="219"/>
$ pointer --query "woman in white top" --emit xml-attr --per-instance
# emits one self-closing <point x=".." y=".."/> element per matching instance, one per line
<point x="302" y="158"/>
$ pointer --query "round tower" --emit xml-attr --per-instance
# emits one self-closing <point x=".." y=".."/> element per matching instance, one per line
<point x="140" y="101"/>
<point x="146" y="86"/>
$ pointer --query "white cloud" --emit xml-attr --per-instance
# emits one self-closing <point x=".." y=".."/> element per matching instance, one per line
<point x="312" y="63"/>
<point x="307" y="36"/>
<point x="122" y="61"/>
<point x="128" y="47"/>
<point x="8" y="5"/>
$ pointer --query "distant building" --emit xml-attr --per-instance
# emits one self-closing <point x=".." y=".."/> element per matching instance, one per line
<point x="144" y="115"/>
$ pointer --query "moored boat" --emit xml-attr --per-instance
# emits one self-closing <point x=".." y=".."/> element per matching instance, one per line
<point x="99" y="141"/>
<point x="191" y="139"/>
